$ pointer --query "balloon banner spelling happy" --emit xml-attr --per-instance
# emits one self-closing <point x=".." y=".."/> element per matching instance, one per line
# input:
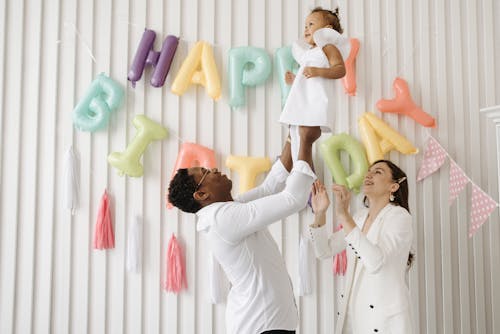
<point x="248" y="168"/>
<point x="128" y="162"/>
<point x="94" y="109"/>
<point x="198" y="68"/>
<point x="379" y="138"/>
<point x="330" y="150"/>
<point x="145" y="55"/>
<point x="248" y="66"/>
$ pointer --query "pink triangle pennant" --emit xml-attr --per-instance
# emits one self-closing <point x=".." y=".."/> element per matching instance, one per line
<point x="482" y="205"/>
<point x="434" y="157"/>
<point x="458" y="181"/>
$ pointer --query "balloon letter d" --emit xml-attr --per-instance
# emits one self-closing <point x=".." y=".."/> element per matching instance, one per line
<point x="330" y="150"/>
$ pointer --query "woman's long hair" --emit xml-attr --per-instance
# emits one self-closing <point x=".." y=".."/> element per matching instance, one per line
<point x="400" y="195"/>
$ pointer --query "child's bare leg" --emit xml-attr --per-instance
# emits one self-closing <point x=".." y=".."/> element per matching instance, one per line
<point x="308" y="135"/>
<point x="286" y="155"/>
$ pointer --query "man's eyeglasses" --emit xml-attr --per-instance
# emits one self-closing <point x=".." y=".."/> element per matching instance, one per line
<point x="202" y="179"/>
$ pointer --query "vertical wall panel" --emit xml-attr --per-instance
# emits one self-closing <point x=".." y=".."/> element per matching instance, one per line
<point x="51" y="278"/>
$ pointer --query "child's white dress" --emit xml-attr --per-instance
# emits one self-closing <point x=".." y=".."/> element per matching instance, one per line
<point x="310" y="100"/>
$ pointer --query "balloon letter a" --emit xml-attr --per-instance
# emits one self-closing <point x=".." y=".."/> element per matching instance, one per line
<point x="198" y="68"/>
<point x="379" y="138"/>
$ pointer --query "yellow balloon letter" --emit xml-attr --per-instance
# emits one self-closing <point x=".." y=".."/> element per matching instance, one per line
<point x="248" y="168"/>
<point x="379" y="138"/>
<point x="128" y="161"/>
<point x="198" y="68"/>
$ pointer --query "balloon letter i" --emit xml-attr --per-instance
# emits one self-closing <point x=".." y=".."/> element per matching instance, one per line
<point x="128" y="161"/>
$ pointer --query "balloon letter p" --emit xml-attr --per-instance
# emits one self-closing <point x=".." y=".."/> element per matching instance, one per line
<point x="248" y="66"/>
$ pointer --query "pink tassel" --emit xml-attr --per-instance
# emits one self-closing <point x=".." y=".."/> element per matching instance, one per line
<point x="176" y="267"/>
<point x="340" y="260"/>
<point x="104" y="237"/>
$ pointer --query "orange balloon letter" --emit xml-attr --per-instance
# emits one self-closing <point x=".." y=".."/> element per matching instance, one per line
<point x="403" y="104"/>
<point x="349" y="79"/>
<point x="193" y="155"/>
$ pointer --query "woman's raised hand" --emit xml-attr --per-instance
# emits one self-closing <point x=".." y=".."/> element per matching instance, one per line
<point x="342" y="200"/>
<point x="319" y="198"/>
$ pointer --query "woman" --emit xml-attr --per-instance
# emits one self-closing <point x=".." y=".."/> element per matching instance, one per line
<point x="378" y="239"/>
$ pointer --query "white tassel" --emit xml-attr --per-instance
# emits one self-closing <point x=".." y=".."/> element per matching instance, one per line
<point x="71" y="186"/>
<point x="134" y="246"/>
<point x="217" y="280"/>
<point x="305" y="267"/>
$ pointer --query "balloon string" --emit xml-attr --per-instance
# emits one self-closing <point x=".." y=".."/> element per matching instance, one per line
<point x="77" y="33"/>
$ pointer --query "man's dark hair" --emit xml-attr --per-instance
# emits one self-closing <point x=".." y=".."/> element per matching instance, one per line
<point x="181" y="190"/>
<point x="332" y="17"/>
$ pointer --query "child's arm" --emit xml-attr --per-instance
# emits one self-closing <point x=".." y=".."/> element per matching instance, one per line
<point x="336" y="69"/>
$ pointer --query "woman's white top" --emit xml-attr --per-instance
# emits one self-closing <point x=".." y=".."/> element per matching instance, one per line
<point x="310" y="99"/>
<point x="375" y="297"/>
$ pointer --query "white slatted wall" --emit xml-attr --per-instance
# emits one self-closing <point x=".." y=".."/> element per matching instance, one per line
<point x="52" y="281"/>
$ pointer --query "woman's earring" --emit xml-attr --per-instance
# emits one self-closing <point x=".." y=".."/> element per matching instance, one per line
<point x="391" y="198"/>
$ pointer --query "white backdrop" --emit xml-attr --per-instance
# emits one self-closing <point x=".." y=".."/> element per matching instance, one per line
<point x="52" y="281"/>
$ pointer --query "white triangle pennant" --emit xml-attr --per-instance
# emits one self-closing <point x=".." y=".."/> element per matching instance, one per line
<point x="482" y="205"/>
<point x="434" y="157"/>
<point x="458" y="181"/>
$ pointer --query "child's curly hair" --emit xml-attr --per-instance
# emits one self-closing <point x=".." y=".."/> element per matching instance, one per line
<point x="332" y="17"/>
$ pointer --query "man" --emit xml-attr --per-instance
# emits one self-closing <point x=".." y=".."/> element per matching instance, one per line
<point x="261" y="297"/>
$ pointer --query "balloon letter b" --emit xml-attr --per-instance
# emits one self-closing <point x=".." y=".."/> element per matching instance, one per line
<point x="198" y="68"/>
<point x="128" y="161"/>
<point x="330" y="150"/>
<point x="248" y="66"/>
<point x="248" y="168"/>
<point x="92" y="112"/>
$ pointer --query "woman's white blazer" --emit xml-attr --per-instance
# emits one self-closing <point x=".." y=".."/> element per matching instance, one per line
<point x="381" y="296"/>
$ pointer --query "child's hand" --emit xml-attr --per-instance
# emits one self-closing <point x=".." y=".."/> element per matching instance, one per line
<point x="289" y="77"/>
<point x="319" y="198"/>
<point x="310" y="72"/>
